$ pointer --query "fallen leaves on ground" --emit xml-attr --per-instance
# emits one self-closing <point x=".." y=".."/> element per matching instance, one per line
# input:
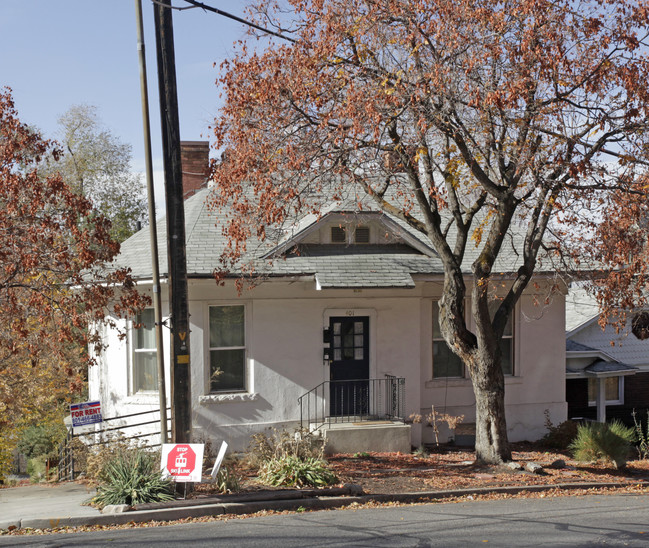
<point x="446" y="468"/>
<point x="442" y="468"/>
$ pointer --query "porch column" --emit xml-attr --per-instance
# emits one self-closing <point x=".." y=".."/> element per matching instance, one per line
<point x="601" y="399"/>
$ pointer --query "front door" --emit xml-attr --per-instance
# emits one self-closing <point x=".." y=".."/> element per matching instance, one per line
<point x="350" y="366"/>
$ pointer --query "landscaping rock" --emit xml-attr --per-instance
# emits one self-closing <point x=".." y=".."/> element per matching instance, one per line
<point x="534" y="467"/>
<point x="115" y="508"/>
<point x="514" y="465"/>
<point x="558" y="464"/>
<point x="354" y="489"/>
<point x="484" y="476"/>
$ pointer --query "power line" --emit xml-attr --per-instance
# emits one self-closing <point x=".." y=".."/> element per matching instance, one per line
<point x="196" y="4"/>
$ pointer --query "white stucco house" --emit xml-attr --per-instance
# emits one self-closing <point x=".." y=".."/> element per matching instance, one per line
<point x="348" y="296"/>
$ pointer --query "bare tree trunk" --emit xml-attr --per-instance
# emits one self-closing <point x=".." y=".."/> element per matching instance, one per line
<point x="491" y="445"/>
<point x="481" y="353"/>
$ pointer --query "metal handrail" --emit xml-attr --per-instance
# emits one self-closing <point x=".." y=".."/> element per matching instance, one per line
<point x="353" y="400"/>
<point x="66" y="455"/>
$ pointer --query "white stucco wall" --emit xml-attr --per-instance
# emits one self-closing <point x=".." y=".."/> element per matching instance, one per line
<point x="538" y="382"/>
<point x="284" y="324"/>
<point x="110" y="381"/>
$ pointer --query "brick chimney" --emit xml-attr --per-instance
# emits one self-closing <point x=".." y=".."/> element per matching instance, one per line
<point x="195" y="158"/>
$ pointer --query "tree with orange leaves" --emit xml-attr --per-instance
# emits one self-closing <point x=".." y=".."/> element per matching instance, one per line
<point x="54" y="287"/>
<point x="480" y="123"/>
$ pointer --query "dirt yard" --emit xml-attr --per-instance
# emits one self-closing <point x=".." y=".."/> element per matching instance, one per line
<point x="449" y="467"/>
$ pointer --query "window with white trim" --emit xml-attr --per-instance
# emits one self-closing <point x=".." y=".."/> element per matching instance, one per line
<point x="145" y="367"/>
<point x="227" y="348"/>
<point x="445" y="363"/>
<point x="614" y="388"/>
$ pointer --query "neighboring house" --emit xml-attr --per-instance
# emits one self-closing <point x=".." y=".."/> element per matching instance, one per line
<point x="607" y="373"/>
<point x="349" y="297"/>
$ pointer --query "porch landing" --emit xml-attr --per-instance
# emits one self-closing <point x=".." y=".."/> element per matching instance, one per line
<point x="356" y="437"/>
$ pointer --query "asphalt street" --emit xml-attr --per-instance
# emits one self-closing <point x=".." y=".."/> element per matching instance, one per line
<point x="615" y="520"/>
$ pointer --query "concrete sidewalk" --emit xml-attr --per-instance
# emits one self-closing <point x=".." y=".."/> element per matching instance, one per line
<point x="44" y="502"/>
<point x="60" y="505"/>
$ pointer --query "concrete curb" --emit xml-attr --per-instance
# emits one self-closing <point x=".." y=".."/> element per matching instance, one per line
<point x="314" y="503"/>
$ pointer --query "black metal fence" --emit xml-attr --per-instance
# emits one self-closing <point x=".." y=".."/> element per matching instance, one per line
<point x="105" y="432"/>
<point x="356" y="400"/>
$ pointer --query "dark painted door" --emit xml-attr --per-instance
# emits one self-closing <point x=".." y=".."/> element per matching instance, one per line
<point x="350" y="365"/>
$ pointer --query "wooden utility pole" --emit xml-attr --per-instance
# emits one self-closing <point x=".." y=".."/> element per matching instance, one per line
<point x="153" y="230"/>
<point x="178" y="300"/>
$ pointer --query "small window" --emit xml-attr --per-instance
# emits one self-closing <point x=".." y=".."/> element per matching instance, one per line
<point x="614" y="387"/>
<point x="145" y="366"/>
<point x="338" y="235"/>
<point x="227" y="349"/>
<point x="362" y="235"/>
<point x="445" y="362"/>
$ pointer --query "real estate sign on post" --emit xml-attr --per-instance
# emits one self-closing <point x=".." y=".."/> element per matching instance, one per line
<point x="84" y="413"/>
<point x="182" y="461"/>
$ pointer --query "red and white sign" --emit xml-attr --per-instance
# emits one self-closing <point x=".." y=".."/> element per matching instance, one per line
<point x="84" y="413"/>
<point x="183" y="461"/>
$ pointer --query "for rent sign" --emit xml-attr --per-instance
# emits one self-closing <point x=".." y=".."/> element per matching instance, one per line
<point x="87" y="412"/>
<point x="183" y="461"/>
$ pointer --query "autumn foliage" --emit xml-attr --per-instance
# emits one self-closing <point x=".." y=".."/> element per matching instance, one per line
<point x="54" y="291"/>
<point x="484" y="125"/>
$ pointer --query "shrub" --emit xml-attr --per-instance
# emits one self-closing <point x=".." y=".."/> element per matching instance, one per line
<point x="300" y="444"/>
<point x="42" y="439"/>
<point x="227" y="481"/>
<point x="7" y="445"/>
<point x="292" y="471"/>
<point x="99" y="456"/>
<point x="36" y="468"/>
<point x="560" y="436"/>
<point x="608" y="442"/>
<point x="642" y="436"/>
<point x="133" y="478"/>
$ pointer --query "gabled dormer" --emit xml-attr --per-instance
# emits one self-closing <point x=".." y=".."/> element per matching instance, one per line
<point x="366" y="232"/>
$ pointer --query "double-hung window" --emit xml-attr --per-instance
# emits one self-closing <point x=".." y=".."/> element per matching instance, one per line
<point x="445" y="363"/>
<point x="145" y="369"/>
<point x="227" y="348"/>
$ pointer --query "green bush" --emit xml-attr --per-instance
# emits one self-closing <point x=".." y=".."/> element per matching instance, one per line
<point x="133" y="478"/>
<point x="293" y="471"/>
<point x="42" y="439"/>
<point x="36" y="468"/>
<point x="608" y="442"/>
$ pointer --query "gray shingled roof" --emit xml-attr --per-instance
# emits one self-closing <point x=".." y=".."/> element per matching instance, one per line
<point x="572" y="346"/>
<point x="600" y="367"/>
<point x="332" y="266"/>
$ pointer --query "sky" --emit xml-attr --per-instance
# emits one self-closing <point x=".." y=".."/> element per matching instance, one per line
<point x="59" y="53"/>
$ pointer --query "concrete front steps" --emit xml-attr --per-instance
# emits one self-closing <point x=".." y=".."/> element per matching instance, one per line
<point x="356" y="437"/>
